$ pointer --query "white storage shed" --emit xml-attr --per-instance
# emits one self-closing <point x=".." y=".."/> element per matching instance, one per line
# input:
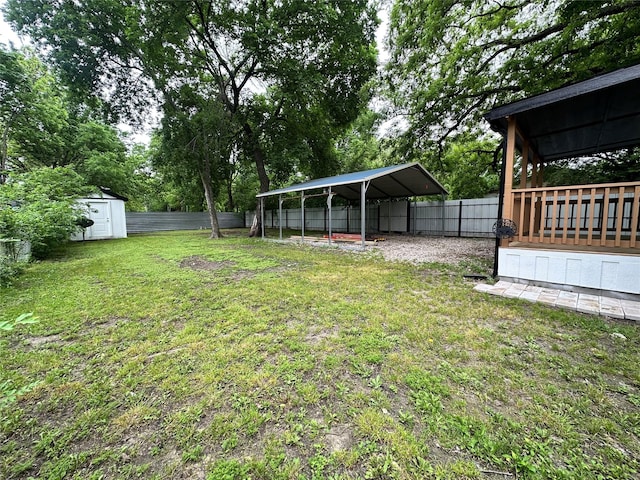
<point x="106" y="209"/>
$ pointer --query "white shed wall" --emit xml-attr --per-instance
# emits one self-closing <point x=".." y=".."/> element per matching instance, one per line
<point x="108" y="214"/>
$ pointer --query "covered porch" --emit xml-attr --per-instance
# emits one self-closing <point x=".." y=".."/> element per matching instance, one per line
<point x="573" y="236"/>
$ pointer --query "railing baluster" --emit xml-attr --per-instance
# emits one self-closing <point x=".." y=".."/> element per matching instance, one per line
<point x="567" y="197"/>
<point x="532" y="215"/>
<point x="543" y="214"/>
<point x="554" y="216"/>
<point x="620" y="216"/>
<point x="576" y="237"/>
<point x="605" y="217"/>
<point x="635" y="209"/>
<point x="592" y="216"/>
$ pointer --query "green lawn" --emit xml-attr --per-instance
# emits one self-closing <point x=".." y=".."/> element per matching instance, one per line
<point x="175" y="356"/>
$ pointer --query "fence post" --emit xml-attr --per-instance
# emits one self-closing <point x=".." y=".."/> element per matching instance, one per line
<point x="460" y="219"/>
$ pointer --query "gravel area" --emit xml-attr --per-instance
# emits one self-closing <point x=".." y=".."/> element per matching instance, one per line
<point x="435" y="249"/>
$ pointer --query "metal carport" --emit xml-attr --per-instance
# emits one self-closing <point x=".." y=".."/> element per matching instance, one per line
<point x="397" y="181"/>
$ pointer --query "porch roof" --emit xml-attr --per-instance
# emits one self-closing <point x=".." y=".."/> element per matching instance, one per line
<point x="597" y="115"/>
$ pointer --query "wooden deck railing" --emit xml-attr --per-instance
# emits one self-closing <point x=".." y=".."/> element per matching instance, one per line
<point x="605" y="215"/>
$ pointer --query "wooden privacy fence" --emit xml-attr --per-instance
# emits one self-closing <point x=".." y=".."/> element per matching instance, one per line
<point x="604" y="215"/>
<point x="462" y="218"/>
<point x="141" y="222"/>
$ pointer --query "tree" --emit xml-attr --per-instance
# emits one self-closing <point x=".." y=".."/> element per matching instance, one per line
<point x="359" y="147"/>
<point x="42" y="127"/>
<point x="451" y="61"/>
<point x="32" y="114"/>
<point x="197" y="141"/>
<point x="274" y="65"/>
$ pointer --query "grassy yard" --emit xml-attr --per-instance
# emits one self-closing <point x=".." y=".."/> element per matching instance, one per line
<point x="174" y="356"/>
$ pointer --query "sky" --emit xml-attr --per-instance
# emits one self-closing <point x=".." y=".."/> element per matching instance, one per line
<point x="6" y="34"/>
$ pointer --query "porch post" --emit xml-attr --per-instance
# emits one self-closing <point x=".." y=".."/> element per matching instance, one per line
<point x="507" y="205"/>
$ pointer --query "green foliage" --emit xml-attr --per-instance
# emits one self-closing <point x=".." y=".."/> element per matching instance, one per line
<point x="465" y="168"/>
<point x="8" y="393"/>
<point x="623" y="166"/>
<point x="24" y="319"/>
<point x="359" y="148"/>
<point x="288" y="75"/>
<point x="9" y="270"/>
<point x="41" y="126"/>
<point x="452" y="61"/>
<point x="39" y="206"/>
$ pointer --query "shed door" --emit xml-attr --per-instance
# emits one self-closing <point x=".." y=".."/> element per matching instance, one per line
<point x="100" y="213"/>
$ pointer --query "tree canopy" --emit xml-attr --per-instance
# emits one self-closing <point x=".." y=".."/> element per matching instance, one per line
<point x="451" y="61"/>
<point x="281" y="70"/>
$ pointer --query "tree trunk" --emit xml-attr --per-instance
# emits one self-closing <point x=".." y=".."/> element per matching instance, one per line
<point x="205" y="176"/>
<point x="258" y="157"/>
<point x="232" y="206"/>
<point x="4" y="153"/>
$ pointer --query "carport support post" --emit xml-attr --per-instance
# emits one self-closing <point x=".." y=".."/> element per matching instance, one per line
<point x="444" y="209"/>
<point x="329" y="201"/>
<point x="302" y="205"/>
<point x="262" y="216"/>
<point x="363" y="210"/>
<point x="280" y="215"/>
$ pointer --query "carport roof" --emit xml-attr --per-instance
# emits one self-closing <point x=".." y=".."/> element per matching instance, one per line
<point x="408" y="180"/>
<point x="597" y="115"/>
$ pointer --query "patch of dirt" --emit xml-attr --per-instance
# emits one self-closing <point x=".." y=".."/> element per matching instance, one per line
<point x="317" y="336"/>
<point x="340" y="437"/>
<point x="198" y="262"/>
<point x="44" y="340"/>
<point x="240" y="275"/>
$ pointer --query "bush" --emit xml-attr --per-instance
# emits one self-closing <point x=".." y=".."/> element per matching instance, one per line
<point x="9" y="270"/>
<point x="40" y="206"/>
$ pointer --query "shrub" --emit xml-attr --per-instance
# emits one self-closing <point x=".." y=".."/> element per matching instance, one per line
<point x="9" y="270"/>
<point x="40" y="206"/>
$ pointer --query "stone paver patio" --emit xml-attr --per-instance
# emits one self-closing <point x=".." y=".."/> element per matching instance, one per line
<point x="581" y="302"/>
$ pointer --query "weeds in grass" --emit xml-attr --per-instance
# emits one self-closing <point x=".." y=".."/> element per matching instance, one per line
<point x="282" y="361"/>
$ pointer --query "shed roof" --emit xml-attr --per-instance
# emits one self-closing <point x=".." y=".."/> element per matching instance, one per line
<point x="597" y="115"/>
<point x="408" y="180"/>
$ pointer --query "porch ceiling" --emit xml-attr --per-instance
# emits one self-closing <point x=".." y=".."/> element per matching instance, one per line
<point x="597" y="115"/>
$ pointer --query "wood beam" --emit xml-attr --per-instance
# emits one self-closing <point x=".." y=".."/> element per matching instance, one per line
<point x="507" y="201"/>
